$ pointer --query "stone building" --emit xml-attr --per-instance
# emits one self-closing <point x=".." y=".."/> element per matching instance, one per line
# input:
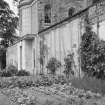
<point x="12" y="55"/>
<point x="55" y="24"/>
<point x="50" y="12"/>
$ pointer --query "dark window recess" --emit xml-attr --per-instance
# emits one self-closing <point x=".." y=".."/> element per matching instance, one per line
<point x="71" y="11"/>
<point x="47" y="19"/>
<point x="95" y="1"/>
<point x="47" y="11"/>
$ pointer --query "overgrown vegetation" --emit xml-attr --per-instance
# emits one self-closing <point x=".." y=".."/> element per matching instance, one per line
<point x="23" y="73"/>
<point x="69" y="60"/>
<point x="8" y="24"/>
<point x="30" y="81"/>
<point x="8" y="27"/>
<point x="53" y="65"/>
<point x="43" y="53"/>
<point x="11" y="70"/>
<point x="92" y="54"/>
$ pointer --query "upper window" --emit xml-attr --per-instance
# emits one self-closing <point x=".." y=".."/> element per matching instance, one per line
<point x="71" y="11"/>
<point x="47" y="12"/>
<point x="94" y="1"/>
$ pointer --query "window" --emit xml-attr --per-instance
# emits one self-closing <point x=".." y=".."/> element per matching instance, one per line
<point x="47" y="11"/>
<point x="95" y="1"/>
<point x="71" y="11"/>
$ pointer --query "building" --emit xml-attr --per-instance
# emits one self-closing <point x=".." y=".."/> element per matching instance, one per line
<point x="49" y="12"/>
<point x="51" y="28"/>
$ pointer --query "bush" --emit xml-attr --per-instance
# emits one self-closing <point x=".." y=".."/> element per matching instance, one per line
<point x="6" y="74"/>
<point x="23" y="73"/>
<point x="53" y="65"/>
<point x="11" y="69"/>
<point x="69" y="60"/>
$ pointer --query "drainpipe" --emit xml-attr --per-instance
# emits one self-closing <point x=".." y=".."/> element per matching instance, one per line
<point x="97" y="19"/>
<point x="21" y="55"/>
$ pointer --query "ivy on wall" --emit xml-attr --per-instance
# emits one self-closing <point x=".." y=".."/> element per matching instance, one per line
<point x="92" y="54"/>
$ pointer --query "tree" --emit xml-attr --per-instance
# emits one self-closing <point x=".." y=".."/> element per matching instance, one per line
<point x="8" y="26"/>
<point x="8" y="23"/>
<point x="88" y="45"/>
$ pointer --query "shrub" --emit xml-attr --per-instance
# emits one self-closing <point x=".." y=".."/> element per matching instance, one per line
<point x="68" y="65"/>
<point x="23" y="73"/>
<point x="6" y="74"/>
<point x="53" y="65"/>
<point x="11" y="69"/>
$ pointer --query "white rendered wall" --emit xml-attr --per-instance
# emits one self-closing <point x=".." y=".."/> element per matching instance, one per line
<point x="29" y="22"/>
<point x="63" y="40"/>
<point x="26" y="21"/>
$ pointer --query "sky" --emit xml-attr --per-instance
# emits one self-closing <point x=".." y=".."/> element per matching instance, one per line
<point x="12" y="6"/>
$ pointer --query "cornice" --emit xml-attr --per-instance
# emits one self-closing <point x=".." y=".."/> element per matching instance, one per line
<point x="23" y="3"/>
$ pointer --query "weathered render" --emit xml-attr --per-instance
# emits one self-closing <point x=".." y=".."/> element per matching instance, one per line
<point x="59" y="37"/>
<point x="59" y="40"/>
<point x="12" y="56"/>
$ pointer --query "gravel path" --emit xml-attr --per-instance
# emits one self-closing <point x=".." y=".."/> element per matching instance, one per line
<point x="4" y="100"/>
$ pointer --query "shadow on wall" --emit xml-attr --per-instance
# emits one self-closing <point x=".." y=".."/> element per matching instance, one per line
<point x="12" y="62"/>
<point x="3" y="60"/>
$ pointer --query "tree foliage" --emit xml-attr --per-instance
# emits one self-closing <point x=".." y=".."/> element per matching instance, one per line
<point x="8" y="26"/>
<point x="92" y="54"/>
<point x="8" y="23"/>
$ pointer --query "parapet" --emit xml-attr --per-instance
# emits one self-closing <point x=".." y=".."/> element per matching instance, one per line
<point x="24" y="2"/>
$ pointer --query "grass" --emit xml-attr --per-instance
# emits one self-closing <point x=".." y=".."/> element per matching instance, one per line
<point x="89" y="83"/>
